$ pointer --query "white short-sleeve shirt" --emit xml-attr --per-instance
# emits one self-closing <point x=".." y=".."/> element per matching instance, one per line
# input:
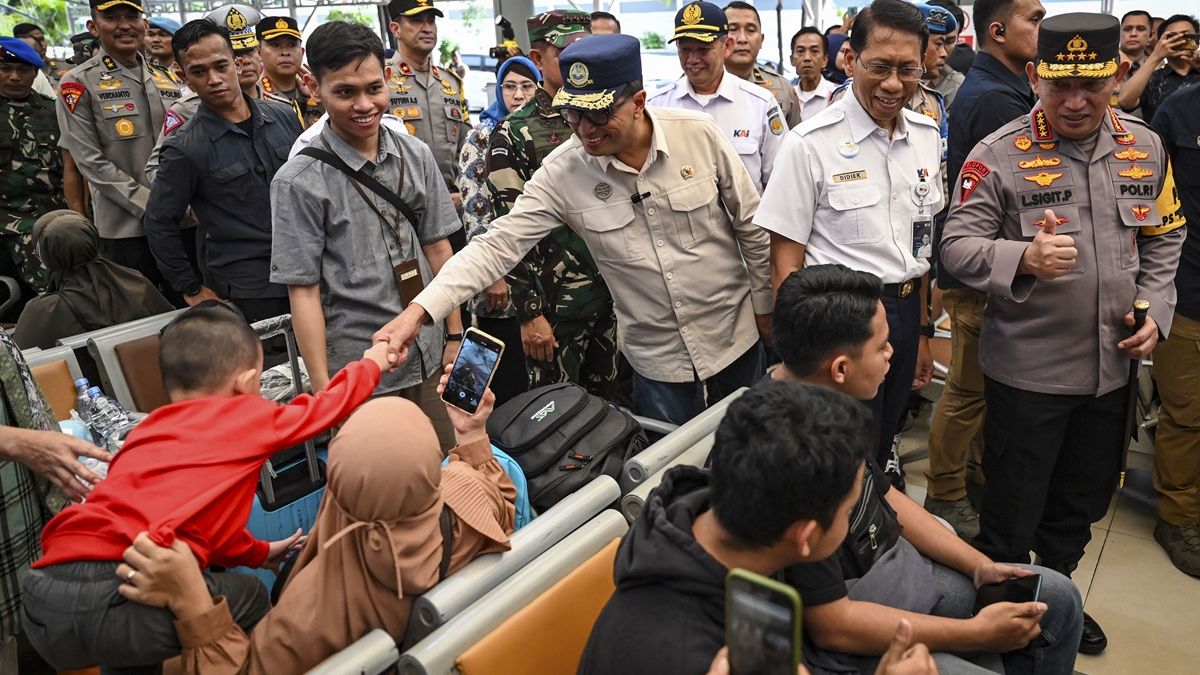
<point x="746" y="113"/>
<point x="813" y="102"/>
<point x="851" y="195"/>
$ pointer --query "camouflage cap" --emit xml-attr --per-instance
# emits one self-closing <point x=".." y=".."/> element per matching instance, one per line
<point x="559" y="27"/>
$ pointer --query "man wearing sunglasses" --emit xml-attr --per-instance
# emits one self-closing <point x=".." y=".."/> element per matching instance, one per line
<point x="664" y="205"/>
<point x="859" y="185"/>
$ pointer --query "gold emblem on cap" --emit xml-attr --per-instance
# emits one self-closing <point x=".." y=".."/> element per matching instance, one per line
<point x="235" y="20"/>
<point x="1077" y="50"/>
<point x="578" y="75"/>
<point x="687" y="171"/>
<point x="692" y="14"/>
<point x="281" y="24"/>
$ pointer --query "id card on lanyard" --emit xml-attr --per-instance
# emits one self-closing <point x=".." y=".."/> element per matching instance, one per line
<point x="922" y="223"/>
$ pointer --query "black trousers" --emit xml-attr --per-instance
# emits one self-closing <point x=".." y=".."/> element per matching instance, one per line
<point x="512" y="378"/>
<point x="134" y="253"/>
<point x="888" y="406"/>
<point x="1052" y="463"/>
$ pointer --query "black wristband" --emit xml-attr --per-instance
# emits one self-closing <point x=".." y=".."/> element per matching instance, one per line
<point x="927" y="330"/>
<point x="454" y="337"/>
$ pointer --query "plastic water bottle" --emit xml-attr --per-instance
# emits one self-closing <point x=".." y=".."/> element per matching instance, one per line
<point x="108" y="417"/>
<point x="83" y="402"/>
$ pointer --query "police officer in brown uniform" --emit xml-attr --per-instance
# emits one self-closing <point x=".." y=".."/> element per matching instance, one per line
<point x="1064" y="217"/>
<point x="110" y="110"/>
<point x="283" y="55"/>
<point x="429" y="99"/>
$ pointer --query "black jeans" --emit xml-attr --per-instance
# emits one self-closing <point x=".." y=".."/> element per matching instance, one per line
<point x="1052" y="463"/>
<point x="889" y="404"/>
<point x="75" y="618"/>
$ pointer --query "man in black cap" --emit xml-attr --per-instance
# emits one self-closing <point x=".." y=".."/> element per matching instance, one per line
<point x="283" y="55"/>
<point x="1064" y="217"/>
<point x="664" y="205"/>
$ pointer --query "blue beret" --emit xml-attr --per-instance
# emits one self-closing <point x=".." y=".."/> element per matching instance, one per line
<point x="14" y="50"/>
<point x="596" y="69"/>
<point x="164" y="24"/>
<point x="939" y="21"/>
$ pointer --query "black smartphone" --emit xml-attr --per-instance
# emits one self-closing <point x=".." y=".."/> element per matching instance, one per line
<point x="762" y="625"/>
<point x="473" y="370"/>
<point x="1016" y="589"/>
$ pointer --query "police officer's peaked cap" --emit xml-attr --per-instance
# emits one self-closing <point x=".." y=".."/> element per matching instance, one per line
<point x="101" y="5"/>
<point x="272" y="27"/>
<point x="14" y="50"/>
<point x="1080" y="44"/>
<point x="398" y="8"/>
<point x="701" y="21"/>
<point x="240" y="21"/>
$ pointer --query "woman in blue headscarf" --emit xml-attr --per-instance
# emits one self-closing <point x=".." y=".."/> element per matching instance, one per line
<point x="834" y="71"/>
<point x="516" y="82"/>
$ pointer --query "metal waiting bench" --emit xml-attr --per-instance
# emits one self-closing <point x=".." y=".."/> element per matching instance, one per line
<point x="449" y="598"/>
<point x="651" y="460"/>
<point x="437" y="653"/>
<point x="371" y="654"/>
<point x="632" y="503"/>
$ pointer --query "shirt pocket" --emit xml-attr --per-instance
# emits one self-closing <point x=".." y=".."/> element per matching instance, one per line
<point x="857" y="222"/>
<point x="230" y="173"/>
<point x="745" y="145"/>
<point x="120" y="121"/>
<point x="693" y="207"/>
<point x="1135" y="215"/>
<point x="609" y="233"/>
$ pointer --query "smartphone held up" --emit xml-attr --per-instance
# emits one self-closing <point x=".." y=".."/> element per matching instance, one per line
<point x="473" y="370"/>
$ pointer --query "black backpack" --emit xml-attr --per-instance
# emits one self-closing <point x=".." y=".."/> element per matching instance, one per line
<point x="563" y="437"/>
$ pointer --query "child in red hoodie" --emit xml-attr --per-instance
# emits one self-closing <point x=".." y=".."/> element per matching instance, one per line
<point x="189" y="470"/>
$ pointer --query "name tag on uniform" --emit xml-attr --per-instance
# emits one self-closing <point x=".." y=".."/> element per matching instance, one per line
<point x="849" y="176"/>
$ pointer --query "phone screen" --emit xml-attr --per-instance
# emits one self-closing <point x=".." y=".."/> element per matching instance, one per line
<point x="1017" y="589"/>
<point x="761" y="630"/>
<point x="472" y="372"/>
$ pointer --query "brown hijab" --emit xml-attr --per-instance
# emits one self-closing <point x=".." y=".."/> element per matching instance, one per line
<point x="86" y="292"/>
<point x="377" y="541"/>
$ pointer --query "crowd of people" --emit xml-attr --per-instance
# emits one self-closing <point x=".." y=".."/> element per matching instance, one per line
<point x="661" y="249"/>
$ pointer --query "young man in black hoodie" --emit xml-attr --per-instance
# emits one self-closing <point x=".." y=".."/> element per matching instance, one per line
<point x="898" y="562"/>
<point x="787" y="465"/>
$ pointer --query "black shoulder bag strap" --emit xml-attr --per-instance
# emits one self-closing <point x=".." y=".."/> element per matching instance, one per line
<point x="365" y="180"/>
<point x="447" y="541"/>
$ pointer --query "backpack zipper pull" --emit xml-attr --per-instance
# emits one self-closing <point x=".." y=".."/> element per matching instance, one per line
<point x="871" y="531"/>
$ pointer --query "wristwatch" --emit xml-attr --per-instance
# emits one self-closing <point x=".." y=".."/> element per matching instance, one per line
<point x="927" y="330"/>
<point x="454" y="337"/>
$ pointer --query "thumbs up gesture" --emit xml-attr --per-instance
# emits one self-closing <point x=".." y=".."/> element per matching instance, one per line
<point x="1049" y="255"/>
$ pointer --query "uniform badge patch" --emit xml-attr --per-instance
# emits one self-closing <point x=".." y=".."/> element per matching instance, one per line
<point x="1043" y="178"/>
<point x="1125" y="139"/>
<point x="1039" y="162"/>
<point x="602" y="191"/>
<point x="1023" y="143"/>
<point x="1041" y="222"/>
<point x="776" y="126"/>
<point x="124" y="128"/>
<point x="171" y="121"/>
<point x="1140" y="211"/>
<point x="1047" y="146"/>
<point x="412" y="111"/>
<point x="687" y="171"/>
<point x="412" y="129"/>
<point x="1131" y="155"/>
<point x="1135" y="172"/>
<point x="71" y="93"/>
<point x="973" y="173"/>
<point x="741" y="133"/>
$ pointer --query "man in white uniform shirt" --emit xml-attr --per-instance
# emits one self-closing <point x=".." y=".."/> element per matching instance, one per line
<point x="810" y="56"/>
<point x="858" y="185"/>
<point x="747" y="114"/>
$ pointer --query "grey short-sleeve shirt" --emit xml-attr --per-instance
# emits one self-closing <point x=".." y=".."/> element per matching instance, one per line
<point x="323" y="232"/>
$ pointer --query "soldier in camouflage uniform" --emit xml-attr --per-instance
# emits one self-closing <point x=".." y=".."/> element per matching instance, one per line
<point x="564" y="305"/>
<point x="30" y="161"/>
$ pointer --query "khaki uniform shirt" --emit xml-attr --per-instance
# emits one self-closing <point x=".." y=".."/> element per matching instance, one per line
<point x="435" y="112"/>
<point x="673" y="260"/>
<point x="1121" y="208"/>
<point x="782" y="90"/>
<point x="307" y="108"/>
<point x="110" y="116"/>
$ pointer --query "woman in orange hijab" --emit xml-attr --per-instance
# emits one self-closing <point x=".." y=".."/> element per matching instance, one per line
<point x="377" y="543"/>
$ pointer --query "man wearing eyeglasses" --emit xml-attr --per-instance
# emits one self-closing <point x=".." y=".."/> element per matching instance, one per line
<point x="746" y="113"/>
<point x="568" y="328"/>
<point x="859" y="185"/>
<point x="665" y="206"/>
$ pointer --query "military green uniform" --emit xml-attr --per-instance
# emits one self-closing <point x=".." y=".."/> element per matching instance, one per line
<point x="782" y="90"/>
<point x="558" y="278"/>
<point x="32" y="169"/>
<point x="434" y="110"/>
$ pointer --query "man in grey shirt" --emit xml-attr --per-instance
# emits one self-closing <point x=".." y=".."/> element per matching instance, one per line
<point x="339" y="246"/>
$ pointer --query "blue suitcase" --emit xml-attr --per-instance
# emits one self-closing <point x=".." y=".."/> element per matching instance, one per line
<point x="292" y="482"/>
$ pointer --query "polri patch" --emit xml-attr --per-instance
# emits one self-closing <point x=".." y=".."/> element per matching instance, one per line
<point x="171" y="121"/>
<point x="71" y="93"/>
<point x="973" y="173"/>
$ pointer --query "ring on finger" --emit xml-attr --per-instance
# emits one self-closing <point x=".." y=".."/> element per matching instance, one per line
<point x="129" y="577"/>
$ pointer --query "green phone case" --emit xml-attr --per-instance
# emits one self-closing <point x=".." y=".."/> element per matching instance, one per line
<point x="775" y="592"/>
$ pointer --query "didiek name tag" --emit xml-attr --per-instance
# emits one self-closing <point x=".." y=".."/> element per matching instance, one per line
<point x="849" y="176"/>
